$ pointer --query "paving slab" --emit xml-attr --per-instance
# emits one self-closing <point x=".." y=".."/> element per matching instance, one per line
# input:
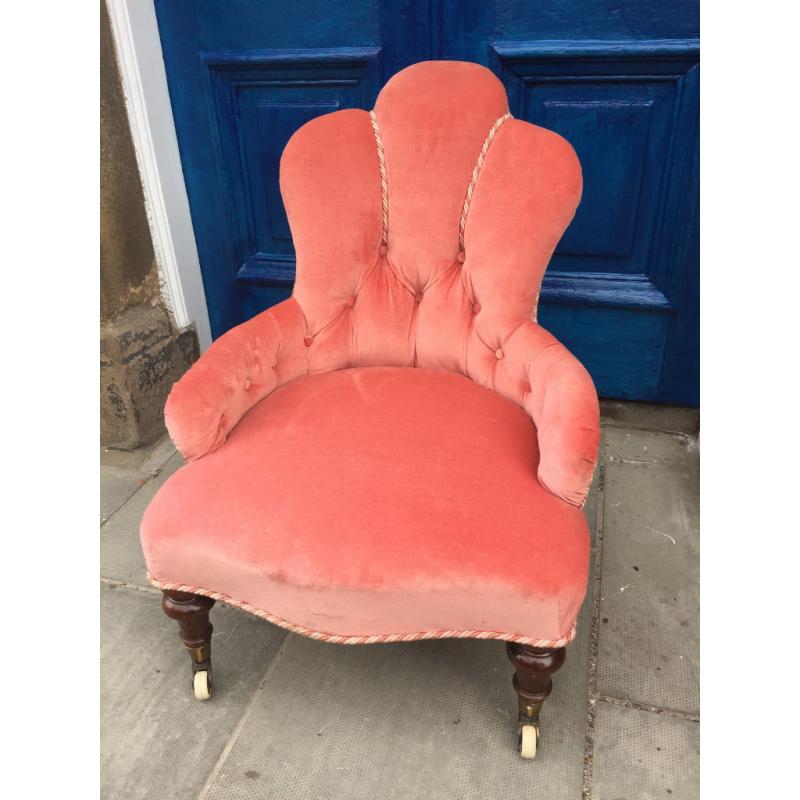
<point x="158" y="456"/>
<point x="117" y="485"/>
<point x="157" y="741"/>
<point x="649" y="626"/>
<point x="122" y="473"/>
<point x="431" y="719"/>
<point x="144" y="459"/>
<point x="121" y="557"/>
<point x="639" y="755"/>
<point x="651" y="447"/>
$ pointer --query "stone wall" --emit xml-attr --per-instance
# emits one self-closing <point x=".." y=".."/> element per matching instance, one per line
<point x="141" y="352"/>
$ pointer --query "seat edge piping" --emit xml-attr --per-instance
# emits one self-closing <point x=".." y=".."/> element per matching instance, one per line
<point x="362" y="639"/>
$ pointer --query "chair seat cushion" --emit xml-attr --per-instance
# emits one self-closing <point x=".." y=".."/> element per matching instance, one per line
<point x="377" y="504"/>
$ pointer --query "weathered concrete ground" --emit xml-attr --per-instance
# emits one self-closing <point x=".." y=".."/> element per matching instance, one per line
<point x="294" y="718"/>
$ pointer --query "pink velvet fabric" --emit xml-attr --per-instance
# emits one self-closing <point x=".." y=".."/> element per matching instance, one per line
<point x="418" y="303"/>
<point x="377" y="500"/>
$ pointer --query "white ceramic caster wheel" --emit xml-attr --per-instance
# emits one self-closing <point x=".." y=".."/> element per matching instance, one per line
<point x="202" y="686"/>
<point x="528" y="739"/>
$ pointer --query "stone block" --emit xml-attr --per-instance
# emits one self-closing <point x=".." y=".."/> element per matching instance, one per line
<point x="141" y="356"/>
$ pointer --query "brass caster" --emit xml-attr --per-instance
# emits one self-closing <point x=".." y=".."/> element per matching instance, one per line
<point x="202" y="685"/>
<point x="201" y="679"/>
<point x="528" y="739"/>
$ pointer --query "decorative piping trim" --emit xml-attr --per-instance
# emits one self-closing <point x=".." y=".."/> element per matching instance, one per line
<point x="375" y="639"/>
<point x="384" y="182"/>
<point x="475" y="172"/>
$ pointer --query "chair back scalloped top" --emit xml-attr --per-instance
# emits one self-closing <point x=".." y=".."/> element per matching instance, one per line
<point x="423" y="228"/>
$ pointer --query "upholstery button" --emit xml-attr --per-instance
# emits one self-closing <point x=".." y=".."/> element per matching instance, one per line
<point x="462" y="256"/>
<point x="382" y="249"/>
<point x="526" y="388"/>
<point x="308" y="341"/>
<point x="418" y="297"/>
<point x="499" y="353"/>
<point x="351" y="302"/>
<point x="246" y="385"/>
<point x="476" y="308"/>
<point x="274" y="363"/>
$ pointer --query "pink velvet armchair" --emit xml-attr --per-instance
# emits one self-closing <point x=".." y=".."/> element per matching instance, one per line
<point x="398" y="451"/>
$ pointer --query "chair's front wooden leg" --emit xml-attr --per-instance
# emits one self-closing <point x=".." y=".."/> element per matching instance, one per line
<point x="533" y="671"/>
<point x="191" y="613"/>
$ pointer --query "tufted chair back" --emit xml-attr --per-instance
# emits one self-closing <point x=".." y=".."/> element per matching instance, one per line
<point x="423" y="229"/>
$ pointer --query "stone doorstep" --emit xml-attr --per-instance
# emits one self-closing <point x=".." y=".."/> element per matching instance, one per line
<point x="649" y="416"/>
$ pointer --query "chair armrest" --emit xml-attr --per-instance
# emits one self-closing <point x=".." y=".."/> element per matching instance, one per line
<point x="562" y="402"/>
<point x="239" y="369"/>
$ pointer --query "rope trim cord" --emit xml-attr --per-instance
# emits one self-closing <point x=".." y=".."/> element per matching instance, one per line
<point x="475" y="173"/>
<point x="470" y="188"/>
<point x="384" y="182"/>
<point x="374" y="639"/>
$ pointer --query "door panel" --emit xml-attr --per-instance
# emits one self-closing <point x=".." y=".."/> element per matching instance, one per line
<point x="260" y="99"/>
<point x="619" y="82"/>
<point x="623" y="105"/>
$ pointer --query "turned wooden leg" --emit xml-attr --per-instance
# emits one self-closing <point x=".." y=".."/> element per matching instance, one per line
<point x="533" y="671"/>
<point x="191" y="613"/>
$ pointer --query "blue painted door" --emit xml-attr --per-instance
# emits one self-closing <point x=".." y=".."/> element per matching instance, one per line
<point x="619" y="80"/>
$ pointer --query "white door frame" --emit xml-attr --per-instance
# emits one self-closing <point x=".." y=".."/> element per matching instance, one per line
<point x="144" y="83"/>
